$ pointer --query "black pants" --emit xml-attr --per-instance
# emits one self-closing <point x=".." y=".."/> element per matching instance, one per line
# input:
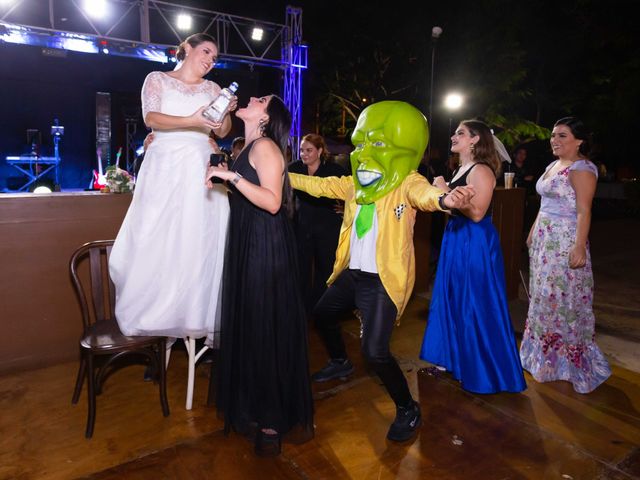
<point x="317" y="252"/>
<point x="356" y="289"/>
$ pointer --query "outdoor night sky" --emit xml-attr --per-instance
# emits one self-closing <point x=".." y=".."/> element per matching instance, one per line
<point x="515" y="62"/>
<point x="520" y="66"/>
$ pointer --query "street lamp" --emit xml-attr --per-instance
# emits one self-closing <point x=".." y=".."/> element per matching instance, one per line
<point x="452" y="102"/>
<point x="435" y="34"/>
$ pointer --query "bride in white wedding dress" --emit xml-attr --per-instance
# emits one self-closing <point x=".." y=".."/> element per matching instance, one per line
<point x="167" y="259"/>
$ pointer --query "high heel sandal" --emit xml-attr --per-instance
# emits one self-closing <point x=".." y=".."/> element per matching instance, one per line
<point x="267" y="444"/>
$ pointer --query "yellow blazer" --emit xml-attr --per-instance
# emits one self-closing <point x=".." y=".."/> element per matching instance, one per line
<point x="396" y="213"/>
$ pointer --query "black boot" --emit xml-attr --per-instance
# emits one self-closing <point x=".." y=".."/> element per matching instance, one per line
<point x="406" y="423"/>
<point x="334" y="369"/>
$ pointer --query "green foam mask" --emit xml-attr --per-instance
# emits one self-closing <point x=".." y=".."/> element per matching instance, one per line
<point x="389" y="139"/>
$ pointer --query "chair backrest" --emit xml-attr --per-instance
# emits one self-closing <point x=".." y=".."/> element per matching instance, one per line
<point x="94" y="287"/>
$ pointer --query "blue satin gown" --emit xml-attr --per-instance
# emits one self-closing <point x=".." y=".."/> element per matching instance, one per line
<point x="469" y="329"/>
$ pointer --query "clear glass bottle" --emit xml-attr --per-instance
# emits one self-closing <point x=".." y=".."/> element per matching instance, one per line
<point x="219" y="107"/>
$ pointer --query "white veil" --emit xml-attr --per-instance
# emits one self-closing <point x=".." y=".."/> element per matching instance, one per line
<point x="502" y="151"/>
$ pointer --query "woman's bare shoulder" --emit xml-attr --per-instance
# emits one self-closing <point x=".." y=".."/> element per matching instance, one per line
<point x="482" y="173"/>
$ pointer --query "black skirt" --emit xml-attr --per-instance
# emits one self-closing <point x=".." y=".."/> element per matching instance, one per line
<point x="264" y="372"/>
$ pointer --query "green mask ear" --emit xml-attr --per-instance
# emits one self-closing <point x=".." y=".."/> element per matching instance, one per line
<point x="389" y="139"/>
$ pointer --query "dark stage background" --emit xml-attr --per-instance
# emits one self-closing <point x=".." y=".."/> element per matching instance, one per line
<point x="35" y="89"/>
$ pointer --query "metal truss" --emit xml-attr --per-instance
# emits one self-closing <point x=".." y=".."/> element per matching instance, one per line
<point x="294" y="53"/>
<point x="145" y="28"/>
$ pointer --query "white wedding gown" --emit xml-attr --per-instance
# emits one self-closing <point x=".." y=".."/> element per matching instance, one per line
<point x="167" y="259"/>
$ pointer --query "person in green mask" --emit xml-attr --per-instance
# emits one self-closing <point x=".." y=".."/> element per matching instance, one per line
<point x="374" y="269"/>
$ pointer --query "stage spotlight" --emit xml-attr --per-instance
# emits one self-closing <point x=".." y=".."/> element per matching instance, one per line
<point x="183" y="22"/>
<point x="103" y="46"/>
<point x="80" y="45"/>
<point x="171" y="54"/>
<point x="257" y="33"/>
<point x="43" y="185"/>
<point x="95" y="8"/>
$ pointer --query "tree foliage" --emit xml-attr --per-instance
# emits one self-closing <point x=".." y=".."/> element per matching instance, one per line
<point x="520" y="65"/>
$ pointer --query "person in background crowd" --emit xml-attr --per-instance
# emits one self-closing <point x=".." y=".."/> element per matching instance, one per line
<point x="523" y="173"/>
<point x="316" y="220"/>
<point x="236" y="147"/>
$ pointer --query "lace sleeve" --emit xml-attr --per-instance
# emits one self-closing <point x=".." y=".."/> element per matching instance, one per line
<point x="152" y="93"/>
<point x="214" y="89"/>
<point x="584" y="166"/>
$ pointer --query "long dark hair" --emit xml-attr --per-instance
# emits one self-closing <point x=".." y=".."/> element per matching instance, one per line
<point x="194" y="40"/>
<point x="579" y="130"/>
<point x="277" y="129"/>
<point x="484" y="150"/>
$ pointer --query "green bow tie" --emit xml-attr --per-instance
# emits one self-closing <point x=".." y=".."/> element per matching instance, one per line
<point x="364" y="220"/>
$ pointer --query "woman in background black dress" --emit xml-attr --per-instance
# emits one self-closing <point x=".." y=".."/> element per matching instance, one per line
<point x="317" y="221"/>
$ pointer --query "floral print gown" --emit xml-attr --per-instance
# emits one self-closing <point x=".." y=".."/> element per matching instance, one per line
<point x="558" y="341"/>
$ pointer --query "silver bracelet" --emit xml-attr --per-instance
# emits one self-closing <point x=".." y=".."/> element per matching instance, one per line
<point x="236" y="179"/>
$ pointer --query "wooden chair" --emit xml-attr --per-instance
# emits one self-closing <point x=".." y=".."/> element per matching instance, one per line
<point x="102" y="344"/>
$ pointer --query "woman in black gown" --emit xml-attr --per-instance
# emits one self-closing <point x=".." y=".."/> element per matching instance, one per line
<point x="263" y="384"/>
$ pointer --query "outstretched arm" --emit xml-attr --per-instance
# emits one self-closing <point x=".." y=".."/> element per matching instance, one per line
<point x="424" y="196"/>
<point x="330" y="187"/>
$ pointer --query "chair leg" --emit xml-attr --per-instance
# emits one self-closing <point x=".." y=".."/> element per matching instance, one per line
<point x="91" y="414"/>
<point x="167" y="355"/>
<point x="213" y="380"/>
<point x="190" y="343"/>
<point x="162" y="351"/>
<point x="79" y="379"/>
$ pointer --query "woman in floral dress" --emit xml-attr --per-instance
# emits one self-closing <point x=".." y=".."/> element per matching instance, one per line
<point x="558" y="341"/>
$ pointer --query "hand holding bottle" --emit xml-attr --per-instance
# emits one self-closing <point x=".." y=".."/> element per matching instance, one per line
<point x="199" y="120"/>
<point x="222" y="104"/>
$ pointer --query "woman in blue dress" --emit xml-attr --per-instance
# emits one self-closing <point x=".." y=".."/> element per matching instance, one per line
<point x="469" y="330"/>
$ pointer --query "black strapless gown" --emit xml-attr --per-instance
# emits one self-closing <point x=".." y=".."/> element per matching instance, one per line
<point x="264" y="373"/>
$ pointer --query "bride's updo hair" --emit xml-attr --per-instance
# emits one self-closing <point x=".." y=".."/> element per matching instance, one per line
<point x="194" y="40"/>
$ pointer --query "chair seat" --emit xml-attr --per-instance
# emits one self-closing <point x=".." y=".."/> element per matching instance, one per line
<point x="106" y="335"/>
